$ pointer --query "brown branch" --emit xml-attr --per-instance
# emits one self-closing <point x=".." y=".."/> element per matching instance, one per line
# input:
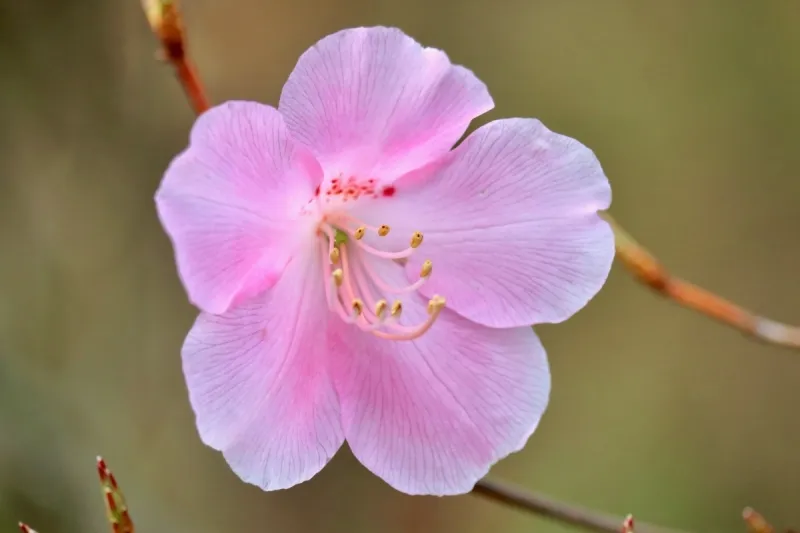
<point x="588" y="519"/>
<point x="648" y="270"/>
<point x="166" y="22"/>
<point x="562" y="512"/>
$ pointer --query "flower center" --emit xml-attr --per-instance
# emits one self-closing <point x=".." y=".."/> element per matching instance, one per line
<point x="350" y="284"/>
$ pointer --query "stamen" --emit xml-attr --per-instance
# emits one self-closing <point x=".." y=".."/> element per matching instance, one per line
<point x="435" y="306"/>
<point x="334" y="255"/>
<point x="359" y="316"/>
<point x="360" y="281"/>
<point x="403" y="254"/>
<point x="376" y="279"/>
<point x="360" y="231"/>
<point x="354" y="283"/>
<point x="397" y="308"/>
<point x="380" y="308"/>
<point x="426" y="269"/>
<point x="344" y="219"/>
<point x="334" y="302"/>
<point x="330" y="292"/>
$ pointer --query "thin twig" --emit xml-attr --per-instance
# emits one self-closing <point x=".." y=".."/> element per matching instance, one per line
<point x="166" y="22"/>
<point x="648" y="270"/>
<point x="562" y="512"/>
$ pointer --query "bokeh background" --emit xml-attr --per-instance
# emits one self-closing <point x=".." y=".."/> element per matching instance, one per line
<point x="691" y="105"/>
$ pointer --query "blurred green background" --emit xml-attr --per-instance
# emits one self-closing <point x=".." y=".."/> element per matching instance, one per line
<point x="691" y="105"/>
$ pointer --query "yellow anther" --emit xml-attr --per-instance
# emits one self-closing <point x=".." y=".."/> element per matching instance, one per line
<point x="383" y="230"/>
<point x="416" y="239"/>
<point x="358" y="306"/>
<point x="359" y="233"/>
<point x="425" y="271"/>
<point x="435" y="304"/>
<point x="338" y="276"/>
<point x="334" y="255"/>
<point x="397" y="308"/>
<point x="380" y="308"/>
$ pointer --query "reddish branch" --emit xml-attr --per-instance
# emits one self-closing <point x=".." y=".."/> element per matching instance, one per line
<point x="165" y="20"/>
<point x="116" y="509"/>
<point x="648" y="270"/>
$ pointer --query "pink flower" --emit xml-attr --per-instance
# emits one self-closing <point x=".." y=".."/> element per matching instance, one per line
<point x="320" y="241"/>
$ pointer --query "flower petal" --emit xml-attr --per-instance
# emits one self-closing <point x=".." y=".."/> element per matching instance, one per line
<point x="510" y="222"/>
<point x="431" y="415"/>
<point x="259" y="385"/>
<point x="227" y="201"/>
<point x="373" y="103"/>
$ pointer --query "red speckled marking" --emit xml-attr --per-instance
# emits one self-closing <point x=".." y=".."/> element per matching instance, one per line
<point x="351" y="189"/>
<point x="389" y="191"/>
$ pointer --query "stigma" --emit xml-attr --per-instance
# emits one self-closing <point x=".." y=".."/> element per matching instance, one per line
<point x="351" y="284"/>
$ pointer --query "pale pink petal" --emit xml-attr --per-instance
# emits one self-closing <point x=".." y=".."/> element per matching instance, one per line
<point x="510" y="222"/>
<point x="432" y="415"/>
<point x="373" y="103"/>
<point x="259" y="385"/>
<point x="231" y="200"/>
